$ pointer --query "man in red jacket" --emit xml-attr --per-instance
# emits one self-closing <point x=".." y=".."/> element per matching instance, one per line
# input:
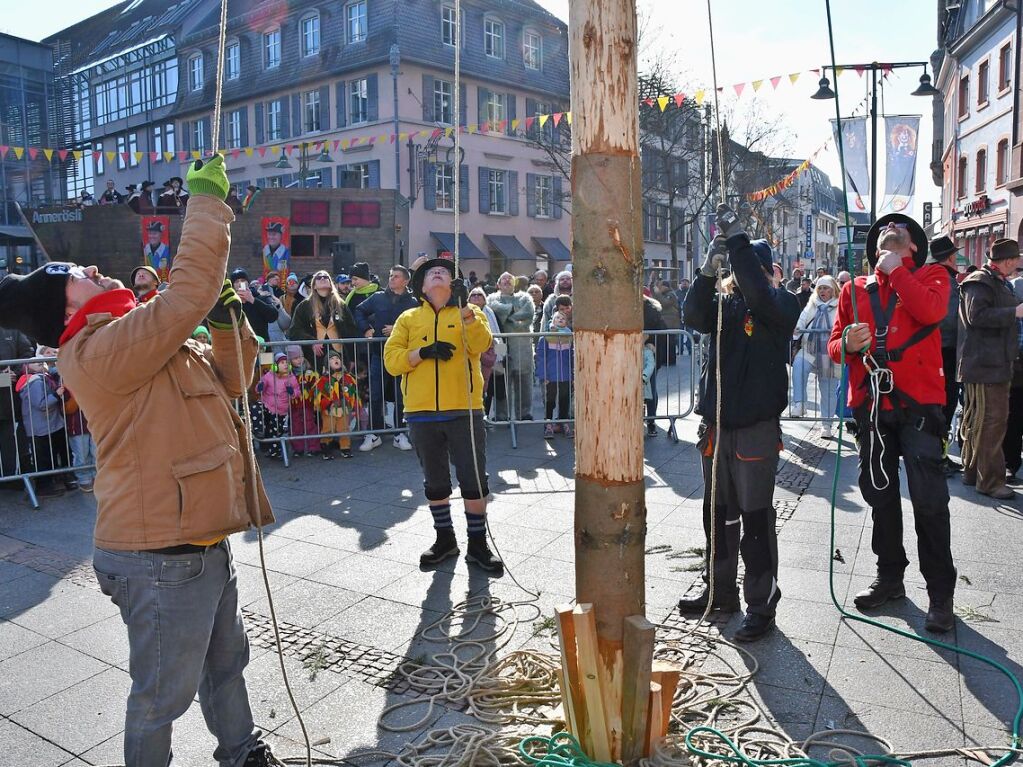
<point x="897" y="391"/>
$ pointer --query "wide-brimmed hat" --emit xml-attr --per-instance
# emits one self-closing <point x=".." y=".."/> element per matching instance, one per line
<point x="916" y="234"/>
<point x="143" y="268"/>
<point x="419" y="275"/>
<point x="154" y="226"/>
<point x="942" y="248"/>
<point x="1003" y="250"/>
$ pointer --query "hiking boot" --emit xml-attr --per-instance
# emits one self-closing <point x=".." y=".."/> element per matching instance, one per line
<point x="1001" y="493"/>
<point x="753" y="627"/>
<point x="880" y="591"/>
<point x="479" y="553"/>
<point x="261" y="756"/>
<point x="940" y="616"/>
<point x="445" y="547"/>
<point x="726" y="602"/>
<point x="651" y="429"/>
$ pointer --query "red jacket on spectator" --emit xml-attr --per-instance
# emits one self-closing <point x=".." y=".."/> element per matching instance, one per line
<point x="922" y="300"/>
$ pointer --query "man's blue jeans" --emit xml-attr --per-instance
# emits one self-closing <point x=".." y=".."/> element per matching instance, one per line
<point x="185" y="635"/>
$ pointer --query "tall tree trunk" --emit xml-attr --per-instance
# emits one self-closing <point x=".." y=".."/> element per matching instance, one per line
<point x="607" y="253"/>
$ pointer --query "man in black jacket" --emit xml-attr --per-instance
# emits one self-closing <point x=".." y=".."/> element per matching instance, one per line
<point x="258" y="310"/>
<point x="758" y="319"/>
<point x="942" y="249"/>
<point x="13" y="345"/>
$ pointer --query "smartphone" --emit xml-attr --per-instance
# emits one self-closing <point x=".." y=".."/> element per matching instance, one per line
<point x="242" y="286"/>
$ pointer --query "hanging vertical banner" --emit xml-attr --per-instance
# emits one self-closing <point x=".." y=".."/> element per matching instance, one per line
<point x="156" y="244"/>
<point x="900" y="173"/>
<point x="276" y="242"/>
<point x="854" y="148"/>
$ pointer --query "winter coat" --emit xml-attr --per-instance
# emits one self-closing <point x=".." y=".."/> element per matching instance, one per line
<point x="14" y="345"/>
<point x="814" y="328"/>
<point x="303" y="328"/>
<point x="548" y="303"/>
<point x="922" y="300"/>
<point x="515" y="315"/>
<point x="649" y="366"/>
<point x="670" y="311"/>
<point x="653" y="319"/>
<point x="260" y="313"/>
<point x="757" y="325"/>
<point x="988" y="341"/>
<point x="949" y="327"/>
<point x="380" y="309"/>
<point x="435" y="386"/>
<point x="42" y="411"/>
<point x="173" y="456"/>
<point x="358" y="295"/>
<point x="275" y="391"/>
<point x="555" y="358"/>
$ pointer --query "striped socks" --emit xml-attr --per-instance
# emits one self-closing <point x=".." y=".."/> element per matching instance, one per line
<point x="476" y="525"/>
<point x="441" y="516"/>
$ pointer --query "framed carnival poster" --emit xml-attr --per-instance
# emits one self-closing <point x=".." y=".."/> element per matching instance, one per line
<point x="276" y="246"/>
<point x="156" y="244"/>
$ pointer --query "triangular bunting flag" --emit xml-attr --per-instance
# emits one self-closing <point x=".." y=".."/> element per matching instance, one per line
<point x="138" y="157"/>
<point x="502" y="126"/>
<point x="372" y="140"/>
<point x="757" y="84"/>
<point x="568" y="117"/>
<point x="662" y="102"/>
<point x="96" y="156"/>
<point x="344" y="143"/>
<point x="529" y="122"/>
<point x="699" y="97"/>
<point x="62" y="154"/>
<point x="839" y="71"/>
<point x="543" y="120"/>
<point x="48" y="154"/>
<point x="337" y="143"/>
<point x="738" y="88"/>
<point x="775" y="81"/>
<point x="154" y="157"/>
<point x="168" y="156"/>
<point x="196" y="154"/>
<point x="860" y="69"/>
<point x="403" y="137"/>
<point x="124" y="157"/>
<point x="679" y="98"/>
<point x="110" y="156"/>
<point x="3" y="150"/>
<point x="19" y="151"/>
<point x="78" y="154"/>
<point x="649" y="102"/>
<point x="33" y="152"/>
<point x="516" y="123"/>
<point x="557" y="118"/>
<point x="382" y="138"/>
<point x="793" y="77"/>
<point x="235" y="153"/>
<point x="816" y="72"/>
<point x="249" y="151"/>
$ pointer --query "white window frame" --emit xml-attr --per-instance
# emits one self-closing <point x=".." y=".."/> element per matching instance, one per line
<point x="532" y="49"/>
<point x="198" y="136"/>
<point x="101" y="163"/>
<point x="358" y="90"/>
<point x="232" y="60"/>
<point x="311" y="109"/>
<point x="497" y="183"/>
<point x="447" y="26"/>
<point x="309" y="34"/>
<point x="274" y="127"/>
<point x="196" y="75"/>
<point x="363" y="170"/>
<point x="445" y="187"/>
<point x="272" y="48"/>
<point x="133" y="147"/>
<point x="497" y="108"/>
<point x="233" y="130"/>
<point x="543" y="195"/>
<point x="439" y="96"/>
<point x="356" y="12"/>
<point x="122" y="147"/>
<point x="494" y="32"/>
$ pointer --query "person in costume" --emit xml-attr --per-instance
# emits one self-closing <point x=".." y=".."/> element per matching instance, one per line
<point x="276" y="256"/>
<point x="155" y="251"/>
<point x="336" y="398"/>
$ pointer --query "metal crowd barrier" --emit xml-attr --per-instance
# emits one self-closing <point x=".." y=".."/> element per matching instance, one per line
<point x="812" y="396"/>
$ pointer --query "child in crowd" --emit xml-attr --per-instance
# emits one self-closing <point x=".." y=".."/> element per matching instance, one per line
<point x="276" y="388"/>
<point x="303" y="416"/>
<point x="563" y="304"/>
<point x="337" y="398"/>
<point x="42" y="413"/>
<point x="202" y="335"/>
<point x="83" y="449"/>
<point x="649" y="367"/>
<point x="554" y="364"/>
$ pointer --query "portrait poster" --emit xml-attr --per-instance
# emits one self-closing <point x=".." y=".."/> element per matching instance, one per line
<point x="156" y="245"/>
<point x="276" y="246"/>
<point x="901" y="134"/>
<point x="854" y="149"/>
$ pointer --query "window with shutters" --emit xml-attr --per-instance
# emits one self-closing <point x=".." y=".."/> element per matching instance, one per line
<point x="493" y="38"/>
<point x="498" y="183"/>
<point x="544" y="195"/>
<point x="272" y="48"/>
<point x="195" y="72"/>
<point x="133" y="148"/>
<point x="199" y="136"/>
<point x="964" y="96"/>
<point x="1004" y="67"/>
<point x="358" y="101"/>
<point x="443" y="102"/>
<point x="532" y="49"/>
<point x="981" y="181"/>
<point x="122" y="147"/>
<point x="232" y="60"/>
<point x="961" y="191"/>
<point x="1002" y="160"/>
<point x="310" y="34"/>
<point x="445" y="186"/>
<point x="982" y="81"/>
<point x="274" y="124"/>
<point x="234" y="130"/>
<point x="355" y="21"/>
<point x="447" y="26"/>
<point x="496" y="109"/>
<point x="311" y="111"/>
<point x="361" y="171"/>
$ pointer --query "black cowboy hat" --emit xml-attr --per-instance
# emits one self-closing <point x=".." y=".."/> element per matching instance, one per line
<point x="942" y="248"/>
<point x="420" y="274"/>
<point x="916" y="234"/>
<point x="147" y="185"/>
<point x="172" y="179"/>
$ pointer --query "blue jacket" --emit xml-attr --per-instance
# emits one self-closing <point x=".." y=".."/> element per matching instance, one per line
<point x="42" y="411"/>
<point x="554" y="365"/>
<point x="382" y="308"/>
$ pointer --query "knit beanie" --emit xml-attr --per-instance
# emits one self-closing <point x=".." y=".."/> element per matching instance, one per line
<point x="36" y="303"/>
<point x="762" y="249"/>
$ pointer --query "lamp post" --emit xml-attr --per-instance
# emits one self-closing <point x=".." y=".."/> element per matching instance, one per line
<point x="304" y="159"/>
<point x="924" y="89"/>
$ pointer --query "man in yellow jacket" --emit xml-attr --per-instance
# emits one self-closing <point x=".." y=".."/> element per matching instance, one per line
<point x="436" y="349"/>
<point x="161" y="549"/>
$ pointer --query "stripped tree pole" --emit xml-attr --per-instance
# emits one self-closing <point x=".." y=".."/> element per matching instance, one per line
<point x="607" y="254"/>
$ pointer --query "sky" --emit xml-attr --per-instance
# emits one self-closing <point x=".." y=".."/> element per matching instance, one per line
<point x="754" y="40"/>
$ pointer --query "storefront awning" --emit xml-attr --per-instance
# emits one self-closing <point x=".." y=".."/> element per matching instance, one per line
<point x="510" y="247"/>
<point x="554" y="248"/>
<point x="466" y="248"/>
<point x="15" y="235"/>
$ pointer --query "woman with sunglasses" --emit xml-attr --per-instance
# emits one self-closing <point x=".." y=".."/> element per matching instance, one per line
<point x="323" y="315"/>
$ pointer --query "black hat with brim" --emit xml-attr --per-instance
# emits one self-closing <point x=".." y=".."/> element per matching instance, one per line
<point x="916" y="234"/>
<point x="144" y="268"/>
<point x="176" y="178"/>
<point x="941" y="249"/>
<point x="35" y="303"/>
<point x="419" y="275"/>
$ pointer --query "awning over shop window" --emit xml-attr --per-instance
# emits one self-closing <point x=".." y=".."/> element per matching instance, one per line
<point x="466" y="248"/>
<point x="510" y="247"/>
<point x="553" y="247"/>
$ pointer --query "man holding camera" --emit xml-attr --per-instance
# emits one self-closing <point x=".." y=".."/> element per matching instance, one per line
<point x="161" y="539"/>
<point x="257" y="307"/>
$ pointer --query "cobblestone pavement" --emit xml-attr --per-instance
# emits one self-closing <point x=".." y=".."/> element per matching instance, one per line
<point x="350" y="599"/>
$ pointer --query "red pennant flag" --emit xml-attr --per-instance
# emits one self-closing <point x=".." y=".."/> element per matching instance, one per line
<point x="32" y="152"/>
<point x="648" y="102"/>
<point x="738" y="88"/>
<point x="235" y="153"/>
<point x="816" y="72"/>
<point x="860" y="69"/>
<point x="394" y="138"/>
<point x="182" y="155"/>
<point x="775" y="81"/>
<point x="557" y="118"/>
<point x="3" y="150"/>
<point x="502" y="126"/>
<point x="679" y="98"/>
<point x="96" y="156"/>
<point x="529" y="122"/>
<point x="337" y="143"/>
<point x="61" y="153"/>
<point x="262" y="151"/>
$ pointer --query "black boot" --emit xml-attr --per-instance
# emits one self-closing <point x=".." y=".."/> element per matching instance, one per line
<point x="479" y="553"/>
<point x="445" y="547"/>
<point x="940" y="616"/>
<point x="261" y="756"/>
<point x="725" y="601"/>
<point x="753" y="627"/>
<point x="880" y="591"/>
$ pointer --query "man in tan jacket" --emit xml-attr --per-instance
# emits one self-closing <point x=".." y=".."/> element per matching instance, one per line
<point x="170" y="486"/>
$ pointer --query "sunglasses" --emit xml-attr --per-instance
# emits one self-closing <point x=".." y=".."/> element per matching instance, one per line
<point x="64" y="268"/>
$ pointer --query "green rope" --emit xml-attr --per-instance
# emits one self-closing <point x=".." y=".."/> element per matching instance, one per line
<point x="738" y="757"/>
<point x="561" y="750"/>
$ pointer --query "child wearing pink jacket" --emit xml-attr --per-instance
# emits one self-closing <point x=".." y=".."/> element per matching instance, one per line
<point x="276" y="388"/>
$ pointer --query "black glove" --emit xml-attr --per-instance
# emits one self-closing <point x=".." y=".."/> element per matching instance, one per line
<point x="228" y="304"/>
<point x="728" y="222"/>
<point x="459" y="292"/>
<point x="438" y="350"/>
<point x="716" y="258"/>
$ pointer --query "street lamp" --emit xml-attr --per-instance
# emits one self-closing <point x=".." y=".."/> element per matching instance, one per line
<point x="824" y="91"/>
<point x="304" y="159"/>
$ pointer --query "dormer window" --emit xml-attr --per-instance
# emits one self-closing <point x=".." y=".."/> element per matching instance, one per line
<point x="310" y="32"/>
<point x="532" y="49"/>
<point x="272" y="48"/>
<point x="195" y="72"/>
<point x="493" y="38"/>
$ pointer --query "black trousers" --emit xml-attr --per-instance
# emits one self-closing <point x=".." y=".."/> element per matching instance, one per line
<point x="952" y="387"/>
<point x="559" y="393"/>
<point x="744" y="520"/>
<point x="439" y="443"/>
<point x="1012" y="445"/>
<point x="919" y="445"/>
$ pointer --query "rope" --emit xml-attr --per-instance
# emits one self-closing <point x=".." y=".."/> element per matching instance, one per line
<point x="221" y="45"/>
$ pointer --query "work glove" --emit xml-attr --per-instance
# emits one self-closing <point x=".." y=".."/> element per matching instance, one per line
<point x="459" y="292"/>
<point x="716" y="258"/>
<point x="728" y="222"/>
<point x="209" y="178"/>
<point x="438" y="350"/>
<point x="228" y="304"/>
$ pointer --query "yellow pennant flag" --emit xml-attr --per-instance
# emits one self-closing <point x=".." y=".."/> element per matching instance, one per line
<point x="138" y="157"/>
<point x="403" y="137"/>
<point x="839" y="71"/>
<point x="699" y="97"/>
<point x="168" y="156"/>
<point x="18" y="151"/>
<point x="662" y="102"/>
<point x="110" y="156"/>
<point x="344" y="143"/>
<point x="275" y="149"/>
<point x="515" y="123"/>
<point x="757" y="84"/>
<point x="448" y="131"/>
<point x="249" y="151"/>
<point x="196" y="154"/>
<point x="48" y="154"/>
<point x="544" y="119"/>
<point x="77" y="153"/>
<point x="793" y="77"/>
